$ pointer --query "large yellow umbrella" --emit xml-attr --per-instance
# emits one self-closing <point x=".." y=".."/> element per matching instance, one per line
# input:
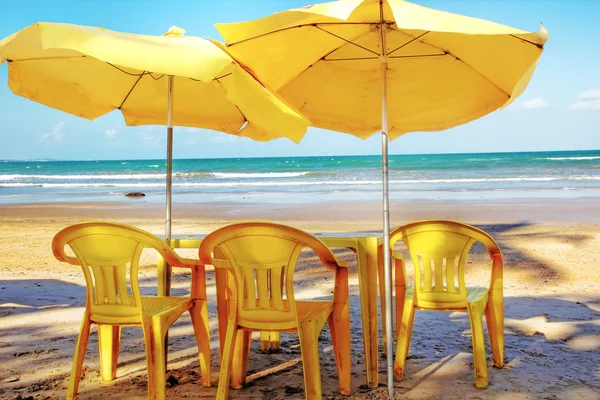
<point x="343" y="64"/>
<point x="166" y="80"/>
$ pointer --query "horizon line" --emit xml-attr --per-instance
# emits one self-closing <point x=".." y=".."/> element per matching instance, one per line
<point x="297" y="156"/>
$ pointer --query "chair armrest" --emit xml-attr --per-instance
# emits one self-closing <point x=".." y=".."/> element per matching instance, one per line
<point x="189" y="263"/>
<point x="341" y="291"/>
<point x="400" y="270"/>
<point x="341" y="263"/>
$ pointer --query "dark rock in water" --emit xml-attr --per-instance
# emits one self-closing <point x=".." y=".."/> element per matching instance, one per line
<point x="135" y="194"/>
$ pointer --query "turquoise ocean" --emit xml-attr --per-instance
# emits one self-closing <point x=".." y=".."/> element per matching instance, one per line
<point x="559" y="174"/>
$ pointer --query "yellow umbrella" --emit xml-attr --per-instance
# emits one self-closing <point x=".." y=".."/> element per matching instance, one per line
<point x="343" y="63"/>
<point x="90" y="71"/>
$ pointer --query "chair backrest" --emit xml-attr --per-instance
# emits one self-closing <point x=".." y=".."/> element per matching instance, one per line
<point x="109" y="255"/>
<point x="439" y="251"/>
<point x="262" y="257"/>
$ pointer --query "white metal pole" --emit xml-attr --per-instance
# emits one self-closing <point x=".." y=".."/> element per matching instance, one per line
<point x="169" y="160"/>
<point x="167" y="270"/>
<point x="386" y="208"/>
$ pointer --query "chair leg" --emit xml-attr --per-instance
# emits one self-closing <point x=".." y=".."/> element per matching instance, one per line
<point x="400" y="301"/>
<point x="479" y="362"/>
<point x="269" y="341"/>
<point x="403" y="339"/>
<point x="308" y="333"/>
<point x="265" y="341"/>
<point x="227" y="357"/>
<point x="239" y="367"/>
<point x="400" y="290"/>
<point x="109" y="341"/>
<point x="78" y="357"/>
<point x="494" y="318"/>
<point x="154" y="336"/>
<point x="221" y="281"/>
<point x="339" y="327"/>
<point x="274" y="339"/>
<point x="199" y="314"/>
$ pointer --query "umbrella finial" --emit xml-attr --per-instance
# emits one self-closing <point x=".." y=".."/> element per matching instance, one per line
<point x="175" y="31"/>
<point x="543" y="33"/>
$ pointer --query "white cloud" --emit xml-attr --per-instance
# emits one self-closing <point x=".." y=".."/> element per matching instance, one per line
<point x="111" y="133"/>
<point x="56" y="133"/>
<point x="592" y="94"/>
<point x="588" y="100"/>
<point x="538" y="102"/>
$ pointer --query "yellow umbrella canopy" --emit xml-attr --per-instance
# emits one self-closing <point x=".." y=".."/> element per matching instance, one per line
<point x="166" y="80"/>
<point x="90" y="71"/>
<point x="443" y="69"/>
<point x="344" y="63"/>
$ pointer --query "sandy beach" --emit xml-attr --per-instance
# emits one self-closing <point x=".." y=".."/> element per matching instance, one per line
<point x="551" y="282"/>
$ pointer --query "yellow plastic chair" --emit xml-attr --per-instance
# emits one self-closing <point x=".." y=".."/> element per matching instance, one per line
<point x="109" y="255"/>
<point x="439" y="251"/>
<point x="261" y="258"/>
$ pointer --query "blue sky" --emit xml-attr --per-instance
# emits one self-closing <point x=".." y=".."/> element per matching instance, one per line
<point x="560" y="110"/>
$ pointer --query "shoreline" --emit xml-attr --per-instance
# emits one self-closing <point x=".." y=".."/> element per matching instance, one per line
<point x="585" y="210"/>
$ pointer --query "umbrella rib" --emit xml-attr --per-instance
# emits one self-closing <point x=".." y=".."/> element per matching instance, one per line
<point x="409" y="42"/>
<point x="134" y="74"/>
<point x="351" y="59"/>
<point x="45" y="58"/>
<point x="420" y="55"/>
<point x="140" y="76"/>
<point x="131" y="90"/>
<point x="214" y="79"/>
<point x="345" y="40"/>
<point x="467" y="65"/>
<point x="236" y="106"/>
<point x="478" y="72"/>
<point x="296" y="27"/>
<point x="222" y="76"/>
<point x="539" y="46"/>
<point x="394" y="57"/>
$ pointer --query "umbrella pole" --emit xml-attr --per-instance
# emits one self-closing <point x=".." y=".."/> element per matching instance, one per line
<point x="169" y="160"/>
<point x="167" y="271"/>
<point x="386" y="210"/>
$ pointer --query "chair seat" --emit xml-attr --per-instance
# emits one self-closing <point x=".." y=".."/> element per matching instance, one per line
<point x="308" y="310"/>
<point x="475" y="294"/>
<point x="161" y="305"/>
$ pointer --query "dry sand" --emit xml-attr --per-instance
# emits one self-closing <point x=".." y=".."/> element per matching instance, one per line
<point x="552" y="297"/>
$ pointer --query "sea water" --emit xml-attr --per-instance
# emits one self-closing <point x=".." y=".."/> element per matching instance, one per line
<point x="557" y="174"/>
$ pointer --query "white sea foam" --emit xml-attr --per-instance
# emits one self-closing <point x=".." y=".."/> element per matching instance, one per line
<point x="297" y="183"/>
<point x="569" y="158"/>
<point x="15" y="177"/>
<point x="234" y="175"/>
